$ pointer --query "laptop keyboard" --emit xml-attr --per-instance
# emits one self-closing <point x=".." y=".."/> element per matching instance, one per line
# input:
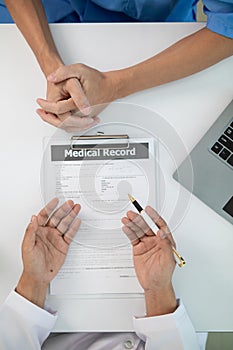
<point x="223" y="147"/>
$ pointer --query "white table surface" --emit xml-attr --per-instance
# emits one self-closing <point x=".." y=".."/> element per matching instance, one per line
<point x="189" y="105"/>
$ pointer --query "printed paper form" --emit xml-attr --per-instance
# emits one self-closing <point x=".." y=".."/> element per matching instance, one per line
<point x="100" y="258"/>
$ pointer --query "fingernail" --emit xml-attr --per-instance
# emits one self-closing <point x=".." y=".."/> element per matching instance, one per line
<point x="163" y="235"/>
<point x="86" y="109"/>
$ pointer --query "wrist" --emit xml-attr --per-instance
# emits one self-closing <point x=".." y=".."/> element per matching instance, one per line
<point x="125" y="82"/>
<point x="32" y="289"/>
<point x="160" y="301"/>
<point x="120" y="83"/>
<point x="49" y="60"/>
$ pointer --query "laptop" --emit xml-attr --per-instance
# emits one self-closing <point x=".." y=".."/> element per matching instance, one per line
<point x="212" y="162"/>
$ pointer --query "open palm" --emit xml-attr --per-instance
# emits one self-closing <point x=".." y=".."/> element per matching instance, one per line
<point x="47" y="240"/>
<point x="153" y="257"/>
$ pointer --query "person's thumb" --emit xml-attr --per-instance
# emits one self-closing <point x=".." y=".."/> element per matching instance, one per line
<point x="30" y="234"/>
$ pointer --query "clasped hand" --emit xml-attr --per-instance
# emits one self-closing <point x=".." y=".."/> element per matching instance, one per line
<point x="71" y="91"/>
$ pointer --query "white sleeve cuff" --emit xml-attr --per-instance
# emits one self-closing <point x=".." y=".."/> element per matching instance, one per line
<point x="36" y="320"/>
<point x="173" y="330"/>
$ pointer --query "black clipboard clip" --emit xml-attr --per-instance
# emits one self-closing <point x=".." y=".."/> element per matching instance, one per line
<point x="99" y="137"/>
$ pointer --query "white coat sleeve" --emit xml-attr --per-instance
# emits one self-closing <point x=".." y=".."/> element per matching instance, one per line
<point x="23" y="325"/>
<point x="172" y="331"/>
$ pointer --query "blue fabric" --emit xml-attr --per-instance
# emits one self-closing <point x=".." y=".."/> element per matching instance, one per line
<point x="115" y="10"/>
<point x="136" y="10"/>
<point x="219" y="16"/>
<point x="56" y="11"/>
<point x="219" y="12"/>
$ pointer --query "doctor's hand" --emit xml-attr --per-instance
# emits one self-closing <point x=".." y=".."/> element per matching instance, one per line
<point x="153" y="260"/>
<point x="64" y="100"/>
<point x="97" y="87"/>
<point x="45" y="246"/>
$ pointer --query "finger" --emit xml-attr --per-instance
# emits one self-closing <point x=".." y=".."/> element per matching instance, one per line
<point x="70" y="124"/>
<point x="45" y="213"/>
<point x="166" y="244"/>
<point x="49" y="118"/>
<point x="64" y="116"/>
<point x="58" y="107"/>
<point x="80" y="122"/>
<point x="64" y="224"/>
<point x="160" y="222"/>
<point x="73" y="125"/>
<point x="140" y="222"/>
<point x="77" y="113"/>
<point x="69" y="235"/>
<point x="64" y="73"/>
<point x="162" y="234"/>
<point x="79" y="97"/>
<point x="131" y="235"/>
<point x="72" y="74"/>
<point x="136" y="231"/>
<point x="60" y="213"/>
<point x="167" y="237"/>
<point x="134" y="227"/>
<point x="30" y="234"/>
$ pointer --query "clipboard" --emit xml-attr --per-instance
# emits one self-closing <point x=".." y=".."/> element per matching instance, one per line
<point x="88" y="169"/>
<point x="100" y="137"/>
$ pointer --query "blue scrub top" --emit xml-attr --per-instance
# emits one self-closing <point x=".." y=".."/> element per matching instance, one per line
<point x="219" y="12"/>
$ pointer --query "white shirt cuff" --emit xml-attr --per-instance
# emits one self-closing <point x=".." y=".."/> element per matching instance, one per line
<point x="175" y="327"/>
<point x="40" y="320"/>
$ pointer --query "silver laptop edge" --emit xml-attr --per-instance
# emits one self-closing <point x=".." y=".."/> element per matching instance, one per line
<point x="212" y="177"/>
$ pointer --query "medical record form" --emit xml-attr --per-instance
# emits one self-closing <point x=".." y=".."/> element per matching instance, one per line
<point x="99" y="175"/>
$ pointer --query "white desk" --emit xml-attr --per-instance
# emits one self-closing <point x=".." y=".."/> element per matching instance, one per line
<point x="190" y="105"/>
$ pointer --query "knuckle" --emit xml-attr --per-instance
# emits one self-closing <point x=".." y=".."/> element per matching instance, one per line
<point x="69" y="83"/>
<point x="72" y="214"/>
<point x="61" y="227"/>
<point x="81" y="66"/>
<point x="57" y="109"/>
<point x="55" y="218"/>
<point x="60" y="70"/>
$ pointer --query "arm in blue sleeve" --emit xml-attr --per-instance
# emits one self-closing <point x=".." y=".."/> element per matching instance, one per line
<point x="219" y="16"/>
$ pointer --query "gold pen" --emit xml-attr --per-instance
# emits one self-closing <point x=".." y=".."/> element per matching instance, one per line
<point x="154" y="228"/>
